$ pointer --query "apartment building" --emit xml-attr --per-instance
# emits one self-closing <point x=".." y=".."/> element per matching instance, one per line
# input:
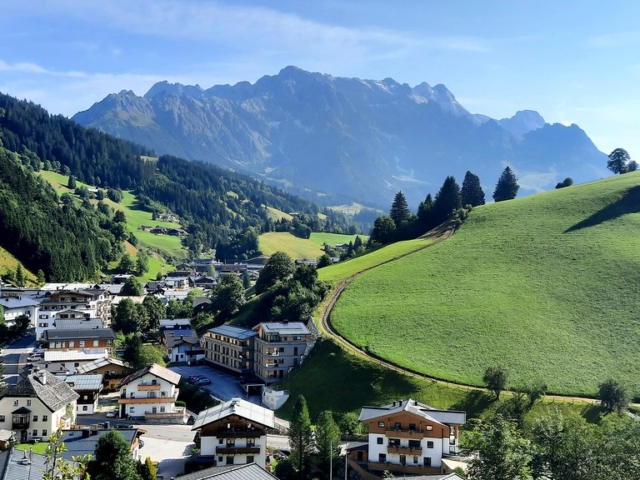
<point x="61" y="304"/>
<point x="230" y="348"/>
<point x="279" y="347"/>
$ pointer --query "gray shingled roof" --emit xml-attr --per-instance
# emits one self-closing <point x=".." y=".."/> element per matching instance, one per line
<point x="153" y="369"/>
<point x="79" y="334"/>
<point x="54" y="393"/>
<point x="250" y="471"/>
<point x="178" y="337"/>
<point x="14" y="467"/>
<point x="236" y="406"/>
<point x="78" y="444"/>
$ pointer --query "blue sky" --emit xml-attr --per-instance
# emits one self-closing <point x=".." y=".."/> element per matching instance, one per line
<point x="573" y="61"/>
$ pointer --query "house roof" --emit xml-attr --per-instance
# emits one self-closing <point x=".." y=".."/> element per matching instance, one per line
<point x="19" y="465"/>
<point x="233" y="332"/>
<point x="81" y="383"/>
<point x="285" y="328"/>
<point x="444" y="476"/>
<point x="69" y="355"/>
<point x="53" y="392"/>
<point x="79" y="334"/>
<point x="236" y="406"/>
<point x="5" y="435"/>
<point x="14" y="302"/>
<point x="172" y="322"/>
<point x="78" y="323"/>
<point x="250" y="471"/>
<point x="443" y="417"/>
<point x="173" y="338"/>
<point x="84" y="441"/>
<point x="153" y="369"/>
<point x="100" y="362"/>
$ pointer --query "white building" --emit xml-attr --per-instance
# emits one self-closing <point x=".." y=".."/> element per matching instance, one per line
<point x="411" y="437"/>
<point x="88" y="387"/>
<point x="151" y="393"/>
<point x="235" y="432"/>
<point x="16" y="306"/>
<point x="38" y="405"/>
<point x="66" y="362"/>
<point x="67" y="324"/>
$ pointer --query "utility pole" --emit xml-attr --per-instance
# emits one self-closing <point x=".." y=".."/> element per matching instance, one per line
<point x="330" y="460"/>
<point x="346" y="465"/>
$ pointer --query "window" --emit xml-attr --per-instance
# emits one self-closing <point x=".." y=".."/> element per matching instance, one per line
<point x="380" y="440"/>
<point x="250" y="459"/>
<point x="429" y="428"/>
<point x="35" y="418"/>
<point x="427" y="461"/>
<point x="84" y="408"/>
<point x="412" y="427"/>
<point x="429" y="444"/>
<point x="382" y="458"/>
<point x="229" y="460"/>
<point x="452" y="430"/>
<point x="45" y="418"/>
<point x="35" y="432"/>
<point x="15" y="403"/>
<point x="77" y="364"/>
<point x="398" y="426"/>
<point x="96" y="343"/>
<point x="1" y="418"/>
<point x="72" y="343"/>
<point x="381" y="424"/>
<point x="403" y="459"/>
<point x="220" y="442"/>
<point x="414" y="443"/>
<point x="415" y="459"/>
<point x="131" y="394"/>
<point x="231" y="442"/>
<point x="44" y="432"/>
<point x="251" y="442"/>
<point x="394" y="442"/>
<point x="43" y="325"/>
<point x="132" y="409"/>
<point x="29" y="403"/>
<point x="220" y="458"/>
<point x="162" y="409"/>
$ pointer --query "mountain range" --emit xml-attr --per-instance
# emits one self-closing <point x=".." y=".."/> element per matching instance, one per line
<point x="341" y="140"/>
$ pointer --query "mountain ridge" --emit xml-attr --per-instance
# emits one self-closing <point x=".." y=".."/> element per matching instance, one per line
<point x="339" y="139"/>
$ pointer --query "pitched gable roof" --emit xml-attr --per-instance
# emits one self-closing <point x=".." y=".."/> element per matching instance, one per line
<point x="79" y="334"/>
<point x="236" y="406"/>
<point x="153" y="369"/>
<point x="100" y="362"/>
<point x="443" y="417"/>
<point x="53" y="392"/>
<point x="250" y="471"/>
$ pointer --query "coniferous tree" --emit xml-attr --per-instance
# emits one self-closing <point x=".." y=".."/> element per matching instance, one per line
<point x="472" y="193"/>
<point x="20" y="278"/>
<point x="507" y="186"/>
<point x="71" y="184"/>
<point x="399" y="210"/>
<point x="301" y="438"/>
<point x="448" y="200"/>
<point x="327" y="436"/>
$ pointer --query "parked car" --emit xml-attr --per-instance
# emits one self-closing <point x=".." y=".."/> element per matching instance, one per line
<point x="111" y="413"/>
<point x="34" y="358"/>
<point x="191" y="420"/>
<point x="122" y="426"/>
<point x="38" y="351"/>
<point x="203" y="381"/>
<point x="195" y="378"/>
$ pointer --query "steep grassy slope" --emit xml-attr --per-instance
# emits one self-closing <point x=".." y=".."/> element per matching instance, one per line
<point x="544" y="285"/>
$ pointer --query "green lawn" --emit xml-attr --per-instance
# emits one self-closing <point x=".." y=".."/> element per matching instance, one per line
<point x="272" y="242"/>
<point x="39" y="448"/>
<point x="9" y="262"/>
<point x="543" y="285"/>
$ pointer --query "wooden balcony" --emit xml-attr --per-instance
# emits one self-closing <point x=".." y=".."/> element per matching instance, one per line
<point x="223" y="450"/>
<point x="412" y="469"/>
<point x="239" y="434"/>
<point x="404" y="450"/>
<point x="143" y="387"/>
<point x="148" y="400"/>
<point x="400" y="433"/>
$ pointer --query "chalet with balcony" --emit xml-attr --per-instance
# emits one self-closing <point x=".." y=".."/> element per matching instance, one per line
<point x="111" y="369"/>
<point x="230" y="348"/>
<point x="37" y="406"/>
<point x="89" y="303"/>
<point x="280" y="347"/>
<point x="179" y="344"/>
<point x="410" y="437"/>
<point x="68" y="324"/>
<point x="62" y="339"/>
<point x="65" y="362"/>
<point x="234" y="432"/>
<point x="88" y="387"/>
<point x="151" y="393"/>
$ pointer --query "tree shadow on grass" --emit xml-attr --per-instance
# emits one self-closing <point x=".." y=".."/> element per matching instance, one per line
<point x="629" y="203"/>
<point x="475" y="402"/>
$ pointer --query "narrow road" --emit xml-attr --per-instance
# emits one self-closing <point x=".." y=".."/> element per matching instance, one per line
<point x="327" y="327"/>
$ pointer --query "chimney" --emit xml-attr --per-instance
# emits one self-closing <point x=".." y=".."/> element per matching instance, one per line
<point x="86" y="433"/>
<point x="42" y="376"/>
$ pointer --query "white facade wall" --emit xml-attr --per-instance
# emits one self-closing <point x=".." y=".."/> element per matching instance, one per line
<point x="167" y="390"/>
<point x="433" y="448"/>
<point x="87" y="408"/>
<point x="376" y="449"/>
<point x="31" y="311"/>
<point x="210" y="444"/>
<point x="42" y="421"/>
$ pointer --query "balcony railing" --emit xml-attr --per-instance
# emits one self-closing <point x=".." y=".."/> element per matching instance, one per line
<point x="148" y="386"/>
<point x="239" y="433"/>
<point x="224" y="450"/>
<point x="405" y="433"/>
<point x="404" y="450"/>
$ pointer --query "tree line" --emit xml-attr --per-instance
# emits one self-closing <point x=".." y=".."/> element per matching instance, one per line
<point x="450" y="201"/>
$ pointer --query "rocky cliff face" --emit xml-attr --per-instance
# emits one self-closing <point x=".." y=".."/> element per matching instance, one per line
<point x="343" y="139"/>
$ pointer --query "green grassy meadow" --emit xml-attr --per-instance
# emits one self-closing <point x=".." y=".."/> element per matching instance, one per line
<point x="9" y="262"/>
<point x="272" y="242"/>
<point x="543" y="285"/>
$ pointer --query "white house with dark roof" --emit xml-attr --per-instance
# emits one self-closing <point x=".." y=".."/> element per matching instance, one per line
<point x="16" y="306"/>
<point x="88" y="387"/>
<point x="234" y="432"/>
<point x="39" y="404"/>
<point x="78" y="339"/>
<point x="410" y="437"/>
<point x="151" y="393"/>
<point x="68" y="323"/>
<point x="179" y="344"/>
<point x="88" y="303"/>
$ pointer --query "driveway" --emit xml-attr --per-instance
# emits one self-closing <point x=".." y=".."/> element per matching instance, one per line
<point x="223" y="386"/>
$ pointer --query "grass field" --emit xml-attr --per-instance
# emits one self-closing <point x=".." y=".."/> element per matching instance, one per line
<point x="136" y="217"/>
<point x="272" y="242"/>
<point x="9" y="262"/>
<point x="543" y="285"/>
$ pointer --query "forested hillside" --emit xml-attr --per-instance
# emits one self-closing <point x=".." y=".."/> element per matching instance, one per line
<point x="65" y="239"/>
<point x="219" y="208"/>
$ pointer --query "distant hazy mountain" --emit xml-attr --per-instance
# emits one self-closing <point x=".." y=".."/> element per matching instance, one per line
<point x="341" y="139"/>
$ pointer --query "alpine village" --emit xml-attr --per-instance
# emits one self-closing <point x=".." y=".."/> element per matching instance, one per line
<point x="250" y="282"/>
